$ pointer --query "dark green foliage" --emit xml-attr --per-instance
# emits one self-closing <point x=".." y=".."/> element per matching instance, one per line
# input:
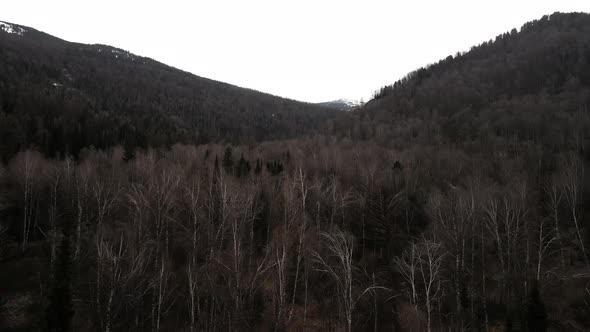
<point x="508" y="324"/>
<point x="536" y="312"/>
<point x="243" y="167"/>
<point x="258" y="167"/>
<point x="228" y="162"/>
<point x="128" y="152"/>
<point x="216" y="168"/>
<point x="274" y="167"/>
<point x="59" y="310"/>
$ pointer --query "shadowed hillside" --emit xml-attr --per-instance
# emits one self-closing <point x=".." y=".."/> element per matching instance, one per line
<point x="60" y="97"/>
<point x="531" y="85"/>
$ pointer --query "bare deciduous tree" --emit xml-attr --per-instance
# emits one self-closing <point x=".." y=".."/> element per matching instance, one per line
<point x="421" y="267"/>
<point x="3" y="205"/>
<point x="573" y="180"/>
<point x="26" y="167"/>
<point x="555" y="195"/>
<point x="340" y="249"/>
<point x="82" y="175"/>
<point x="504" y="222"/>
<point x="192" y="194"/>
<point x="408" y="267"/>
<point x="454" y="216"/>
<point x="545" y="238"/>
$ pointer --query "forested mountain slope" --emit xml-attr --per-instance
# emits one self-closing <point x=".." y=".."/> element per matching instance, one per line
<point x="60" y="97"/>
<point x="457" y="200"/>
<point x="531" y="85"/>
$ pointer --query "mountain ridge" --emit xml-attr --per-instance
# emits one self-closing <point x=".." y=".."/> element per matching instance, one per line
<point x="138" y="101"/>
<point x="524" y="84"/>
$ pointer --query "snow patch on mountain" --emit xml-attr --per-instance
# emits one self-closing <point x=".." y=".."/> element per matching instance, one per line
<point x="342" y="104"/>
<point x="348" y="102"/>
<point x="11" y="28"/>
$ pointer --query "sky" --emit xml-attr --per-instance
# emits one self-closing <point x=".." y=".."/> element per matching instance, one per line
<point x="309" y="50"/>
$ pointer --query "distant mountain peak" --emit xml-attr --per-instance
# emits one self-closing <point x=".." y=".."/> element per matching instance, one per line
<point x="341" y="104"/>
<point x="11" y="28"/>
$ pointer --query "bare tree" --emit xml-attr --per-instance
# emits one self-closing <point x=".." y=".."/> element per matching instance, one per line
<point x="109" y="260"/>
<point x="301" y="186"/>
<point x="421" y="267"/>
<point x="26" y="167"/>
<point x="82" y="175"/>
<point x="242" y="212"/>
<point x="340" y="249"/>
<point x="408" y="268"/>
<point x="504" y="221"/>
<point x="431" y="259"/>
<point x="55" y="176"/>
<point x="454" y="217"/>
<point x="554" y="194"/>
<point x="192" y="194"/>
<point x="545" y="238"/>
<point x="3" y="205"/>
<point x="573" y="181"/>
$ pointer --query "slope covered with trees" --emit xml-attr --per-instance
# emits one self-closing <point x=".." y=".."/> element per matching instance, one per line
<point x="530" y="85"/>
<point x="456" y="200"/>
<point x="59" y="97"/>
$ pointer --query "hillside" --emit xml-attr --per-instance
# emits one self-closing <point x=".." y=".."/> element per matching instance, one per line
<point x="458" y="199"/>
<point x="532" y="85"/>
<point x="61" y="97"/>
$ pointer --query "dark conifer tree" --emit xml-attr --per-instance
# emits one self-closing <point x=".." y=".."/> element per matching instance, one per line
<point x="536" y="314"/>
<point x="228" y="163"/>
<point x="128" y="152"/>
<point x="59" y="310"/>
<point x="216" y="166"/>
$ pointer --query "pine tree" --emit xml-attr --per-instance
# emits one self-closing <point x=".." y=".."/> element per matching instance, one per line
<point x="536" y="314"/>
<point x="59" y="310"/>
<point x="216" y="166"/>
<point x="228" y="163"/>
<point x="128" y="152"/>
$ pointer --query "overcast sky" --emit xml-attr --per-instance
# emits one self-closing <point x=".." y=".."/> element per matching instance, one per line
<point x="307" y="50"/>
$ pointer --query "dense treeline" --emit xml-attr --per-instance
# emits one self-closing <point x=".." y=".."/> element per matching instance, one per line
<point x="345" y="236"/>
<point x="60" y="97"/>
<point x="532" y="85"/>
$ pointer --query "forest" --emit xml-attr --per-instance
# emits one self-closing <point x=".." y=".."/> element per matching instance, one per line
<point x="457" y="199"/>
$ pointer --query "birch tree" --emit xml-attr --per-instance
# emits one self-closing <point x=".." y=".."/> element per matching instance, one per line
<point x="338" y="263"/>
<point x="573" y="181"/>
<point x="421" y="267"/>
<point x="26" y="166"/>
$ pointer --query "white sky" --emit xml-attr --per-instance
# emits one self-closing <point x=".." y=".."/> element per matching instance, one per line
<point x="310" y="50"/>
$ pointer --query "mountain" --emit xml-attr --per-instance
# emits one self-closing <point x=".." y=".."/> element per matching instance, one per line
<point x="531" y="84"/>
<point x="341" y="104"/>
<point x="11" y="28"/>
<point x="61" y="97"/>
<point x="471" y="172"/>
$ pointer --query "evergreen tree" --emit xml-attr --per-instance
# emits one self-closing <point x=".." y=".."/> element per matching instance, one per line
<point x="216" y="166"/>
<point x="128" y="152"/>
<point x="59" y="310"/>
<point x="228" y="163"/>
<point x="536" y="314"/>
